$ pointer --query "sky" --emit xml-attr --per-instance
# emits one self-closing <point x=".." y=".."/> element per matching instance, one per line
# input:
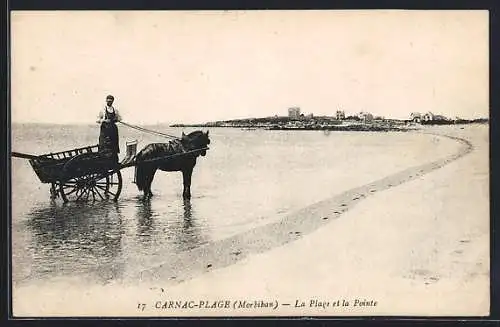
<point x="199" y="66"/>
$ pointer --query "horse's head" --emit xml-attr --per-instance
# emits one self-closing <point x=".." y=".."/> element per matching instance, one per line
<point x="196" y="140"/>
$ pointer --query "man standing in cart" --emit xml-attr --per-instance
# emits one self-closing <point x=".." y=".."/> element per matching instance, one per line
<point x="109" y="142"/>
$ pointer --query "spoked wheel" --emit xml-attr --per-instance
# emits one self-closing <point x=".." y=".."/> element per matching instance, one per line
<point x="92" y="187"/>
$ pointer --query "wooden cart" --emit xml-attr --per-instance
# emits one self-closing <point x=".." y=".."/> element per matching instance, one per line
<point x="85" y="174"/>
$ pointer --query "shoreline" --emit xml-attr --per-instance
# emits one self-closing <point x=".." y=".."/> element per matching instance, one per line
<point x="350" y="127"/>
<point x="226" y="252"/>
<point x="373" y="250"/>
<point x="287" y="258"/>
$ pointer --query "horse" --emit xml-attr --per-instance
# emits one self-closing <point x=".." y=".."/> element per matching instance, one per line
<point x="146" y="165"/>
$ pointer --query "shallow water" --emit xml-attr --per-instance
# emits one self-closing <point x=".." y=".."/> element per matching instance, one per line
<point x="248" y="178"/>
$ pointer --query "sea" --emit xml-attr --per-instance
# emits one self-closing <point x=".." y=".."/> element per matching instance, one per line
<point x="248" y="178"/>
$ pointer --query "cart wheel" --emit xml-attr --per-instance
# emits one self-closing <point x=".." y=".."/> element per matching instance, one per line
<point x="91" y="187"/>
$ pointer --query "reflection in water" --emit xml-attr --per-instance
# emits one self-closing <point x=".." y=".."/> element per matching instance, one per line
<point x="93" y="243"/>
<point x="189" y="235"/>
<point x="187" y="214"/>
<point x="176" y="226"/>
<point x="73" y="239"/>
<point x="145" y="221"/>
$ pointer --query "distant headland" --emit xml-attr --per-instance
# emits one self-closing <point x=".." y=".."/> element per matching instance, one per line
<point x="362" y="121"/>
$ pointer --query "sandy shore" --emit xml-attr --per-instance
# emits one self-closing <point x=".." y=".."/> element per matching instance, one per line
<point x="413" y="243"/>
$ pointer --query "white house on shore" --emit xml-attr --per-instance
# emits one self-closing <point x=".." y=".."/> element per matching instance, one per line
<point x="417" y="117"/>
<point x="429" y="116"/>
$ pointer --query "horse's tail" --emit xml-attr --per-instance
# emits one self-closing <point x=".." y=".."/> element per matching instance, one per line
<point x="140" y="176"/>
<point x="141" y="170"/>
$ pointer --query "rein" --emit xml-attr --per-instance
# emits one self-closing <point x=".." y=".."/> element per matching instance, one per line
<point x="149" y="131"/>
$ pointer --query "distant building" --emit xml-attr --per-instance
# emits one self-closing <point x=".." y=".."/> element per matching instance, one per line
<point x="365" y="116"/>
<point x="294" y="112"/>
<point x="340" y="115"/>
<point x="429" y="116"/>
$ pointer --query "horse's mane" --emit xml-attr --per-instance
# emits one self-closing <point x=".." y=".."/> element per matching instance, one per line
<point x="171" y="147"/>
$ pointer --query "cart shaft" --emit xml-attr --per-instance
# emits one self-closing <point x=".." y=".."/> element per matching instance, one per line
<point x="24" y="155"/>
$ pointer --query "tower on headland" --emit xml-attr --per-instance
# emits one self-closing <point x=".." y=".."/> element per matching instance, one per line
<point x="340" y="115"/>
<point x="294" y="112"/>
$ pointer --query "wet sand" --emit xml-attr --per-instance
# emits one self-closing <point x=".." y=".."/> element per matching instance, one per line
<point x="415" y="242"/>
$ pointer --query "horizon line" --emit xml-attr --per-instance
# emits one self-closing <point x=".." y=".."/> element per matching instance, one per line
<point x="206" y="122"/>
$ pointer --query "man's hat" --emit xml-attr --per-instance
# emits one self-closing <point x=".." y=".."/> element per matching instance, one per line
<point x="110" y="97"/>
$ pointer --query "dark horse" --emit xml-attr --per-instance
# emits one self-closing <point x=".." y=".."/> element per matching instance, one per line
<point x="146" y="166"/>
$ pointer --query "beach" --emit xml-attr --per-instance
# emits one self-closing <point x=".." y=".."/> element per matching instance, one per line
<point x="414" y="242"/>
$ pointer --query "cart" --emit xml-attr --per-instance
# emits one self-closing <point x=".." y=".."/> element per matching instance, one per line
<point x="85" y="174"/>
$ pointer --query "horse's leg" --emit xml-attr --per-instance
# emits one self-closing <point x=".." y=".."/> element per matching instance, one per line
<point x="146" y="188"/>
<point x="186" y="176"/>
<point x="146" y="173"/>
<point x="149" y="181"/>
